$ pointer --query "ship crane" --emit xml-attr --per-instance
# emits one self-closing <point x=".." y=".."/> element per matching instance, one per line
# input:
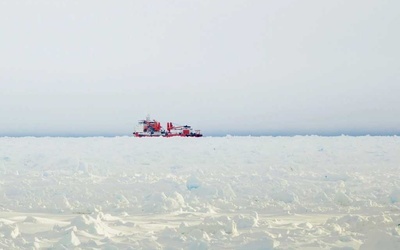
<point x="179" y="130"/>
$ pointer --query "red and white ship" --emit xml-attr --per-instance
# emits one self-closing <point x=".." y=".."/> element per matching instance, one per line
<point x="148" y="128"/>
<point x="153" y="128"/>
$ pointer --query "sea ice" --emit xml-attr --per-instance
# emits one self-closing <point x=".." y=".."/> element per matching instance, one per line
<point x="302" y="192"/>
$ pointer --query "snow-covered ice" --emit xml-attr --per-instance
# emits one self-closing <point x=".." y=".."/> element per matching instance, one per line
<point x="302" y="192"/>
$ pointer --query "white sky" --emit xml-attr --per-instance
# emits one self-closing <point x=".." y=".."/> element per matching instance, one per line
<point x="260" y="67"/>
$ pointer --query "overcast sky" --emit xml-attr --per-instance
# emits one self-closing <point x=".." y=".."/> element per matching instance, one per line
<point x="237" y="67"/>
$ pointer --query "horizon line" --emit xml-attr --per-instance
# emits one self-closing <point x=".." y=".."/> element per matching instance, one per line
<point x="215" y="134"/>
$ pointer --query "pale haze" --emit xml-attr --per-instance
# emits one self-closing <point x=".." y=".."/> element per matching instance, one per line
<point x="226" y="67"/>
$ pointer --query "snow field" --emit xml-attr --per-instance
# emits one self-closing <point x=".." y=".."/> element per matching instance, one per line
<point x="304" y="192"/>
